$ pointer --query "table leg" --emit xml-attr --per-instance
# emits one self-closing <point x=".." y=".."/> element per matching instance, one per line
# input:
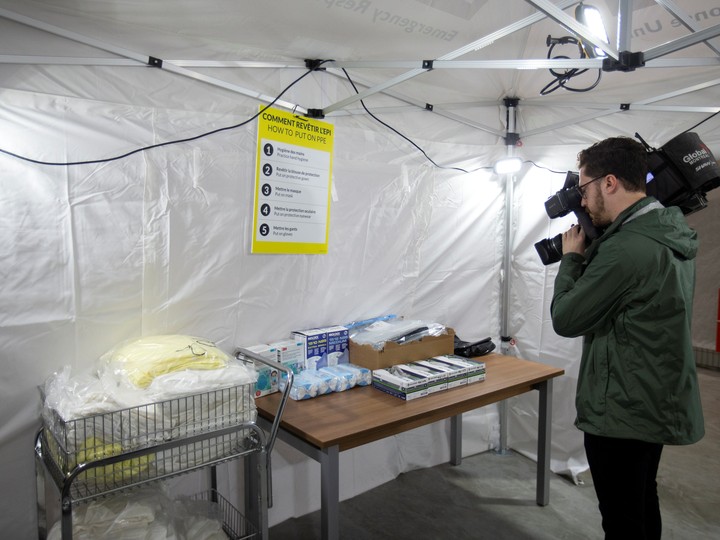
<point x="456" y="439"/>
<point x="330" y="493"/>
<point x="544" y="429"/>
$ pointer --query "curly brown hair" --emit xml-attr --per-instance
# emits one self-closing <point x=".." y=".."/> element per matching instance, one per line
<point x="622" y="156"/>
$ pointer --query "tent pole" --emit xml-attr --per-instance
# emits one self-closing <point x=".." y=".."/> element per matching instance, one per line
<point x="511" y="139"/>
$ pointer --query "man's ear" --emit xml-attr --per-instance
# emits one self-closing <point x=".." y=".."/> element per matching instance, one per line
<point x="611" y="183"/>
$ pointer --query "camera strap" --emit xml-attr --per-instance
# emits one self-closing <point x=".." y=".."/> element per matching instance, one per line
<point x="655" y="205"/>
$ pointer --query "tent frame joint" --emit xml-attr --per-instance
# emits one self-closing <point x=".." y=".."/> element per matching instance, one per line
<point x="313" y="64"/>
<point x="627" y="61"/>
<point x="155" y="62"/>
<point x="428" y="64"/>
<point x="315" y="113"/>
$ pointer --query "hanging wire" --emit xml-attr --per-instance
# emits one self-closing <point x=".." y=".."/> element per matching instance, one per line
<point x="167" y="143"/>
<point x="562" y="79"/>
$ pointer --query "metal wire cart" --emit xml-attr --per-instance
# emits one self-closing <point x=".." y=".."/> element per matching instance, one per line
<point x="112" y="452"/>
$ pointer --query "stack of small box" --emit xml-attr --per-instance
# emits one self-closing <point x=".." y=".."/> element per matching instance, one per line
<point x="425" y="377"/>
<point x="318" y="359"/>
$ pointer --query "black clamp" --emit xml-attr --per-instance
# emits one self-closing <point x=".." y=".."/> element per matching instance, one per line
<point x="314" y="64"/>
<point x="627" y="61"/>
<point x="428" y="64"/>
<point x="512" y="139"/>
<point x="429" y="107"/>
<point x="624" y="106"/>
<point x="315" y="113"/>
<point x="154" y="62"/>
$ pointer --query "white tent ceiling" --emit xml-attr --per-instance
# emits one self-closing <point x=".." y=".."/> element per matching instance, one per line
<point x="481" y="52"/>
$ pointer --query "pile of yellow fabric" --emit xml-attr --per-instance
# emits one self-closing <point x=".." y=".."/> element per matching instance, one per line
<point x="143" y="359"/>
<point x="94" y="449"/>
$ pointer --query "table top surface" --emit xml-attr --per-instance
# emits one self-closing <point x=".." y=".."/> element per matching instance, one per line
<point x="365" y="414"/>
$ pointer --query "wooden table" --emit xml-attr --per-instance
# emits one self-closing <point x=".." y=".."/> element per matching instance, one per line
<point x="323" y="427"/>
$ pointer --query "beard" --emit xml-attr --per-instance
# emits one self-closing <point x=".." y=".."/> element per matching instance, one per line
<point x="598" y="215"/>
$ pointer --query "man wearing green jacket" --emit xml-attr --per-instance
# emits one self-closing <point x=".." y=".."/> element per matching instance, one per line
<point x="630" y="295"/>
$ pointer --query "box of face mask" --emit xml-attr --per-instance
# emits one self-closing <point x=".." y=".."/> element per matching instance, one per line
<point x="268" y="378"/>
<point x="291" y="354"/>
<point x="436" y="380"/>
<point x="314" y="344"/>
<point x="475" y="371"/>
<point x="399" y="385"/>
<point x="456" y="375"/>
<point x="337" y="345"/>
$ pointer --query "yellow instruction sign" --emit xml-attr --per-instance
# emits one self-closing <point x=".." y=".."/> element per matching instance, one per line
<point x="292" y="184"/>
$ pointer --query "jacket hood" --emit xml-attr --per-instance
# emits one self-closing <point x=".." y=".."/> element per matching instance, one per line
<point x="665" y="225"/>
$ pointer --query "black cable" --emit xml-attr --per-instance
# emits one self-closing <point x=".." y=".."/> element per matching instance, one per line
<point x="403" y="136"/>
<point x="167" y="143"/>
<point x="541" y="167"/>
<point x="701" y="122"/>
<point x="561" y="79"/>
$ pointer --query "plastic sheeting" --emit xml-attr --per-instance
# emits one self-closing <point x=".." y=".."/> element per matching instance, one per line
<point x="159" y="242"/>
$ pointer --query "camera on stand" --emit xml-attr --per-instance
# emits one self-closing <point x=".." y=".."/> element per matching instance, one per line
<point x="566" y="200"/>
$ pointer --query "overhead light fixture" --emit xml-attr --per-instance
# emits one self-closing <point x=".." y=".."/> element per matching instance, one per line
<point x="590" y="17"/>
<point x="507" y="165"/>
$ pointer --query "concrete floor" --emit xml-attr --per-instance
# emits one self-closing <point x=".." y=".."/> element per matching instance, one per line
<point x="493" y="496"/>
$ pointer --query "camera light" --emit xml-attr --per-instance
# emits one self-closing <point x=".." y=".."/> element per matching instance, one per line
<point x="507" y="165"/>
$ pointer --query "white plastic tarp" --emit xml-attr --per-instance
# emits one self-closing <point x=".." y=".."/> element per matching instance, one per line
<point x="159" y="241"/>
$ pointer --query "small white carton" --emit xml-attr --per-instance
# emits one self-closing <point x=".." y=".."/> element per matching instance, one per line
<point x="456" y="375"/>
<point x="291" y="354"/>
<point x="268" y="378"/>
<point x="436" y="380"/>
<point x="402" y="386"/>
<point x="475" y="370"/>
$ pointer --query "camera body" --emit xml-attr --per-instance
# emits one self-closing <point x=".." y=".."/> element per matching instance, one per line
<point x="566" y="200"/>
<point x="680" y="174"/>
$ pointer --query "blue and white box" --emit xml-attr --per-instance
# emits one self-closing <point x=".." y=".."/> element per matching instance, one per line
<point x="268" y="378"/>
<point x="337" y="345"/>
<point x="291" y="354"/>
<point x="314" y="344"/>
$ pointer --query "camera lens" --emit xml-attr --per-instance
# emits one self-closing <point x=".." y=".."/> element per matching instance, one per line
<point x="550" y="249"/>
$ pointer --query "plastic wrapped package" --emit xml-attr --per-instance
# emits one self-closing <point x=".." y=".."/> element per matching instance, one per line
<point x="92" y="418"/>
<point x="345" y="379"/>
<point x="139" y="361"/>
<point x="362" y="375"/>
<point x="303" y="386"/>
<point x="398" y="331"/>
<point x="146" y="514"/>
<point x="310" y="383"/>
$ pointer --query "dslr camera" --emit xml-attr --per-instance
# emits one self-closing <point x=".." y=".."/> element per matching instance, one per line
<point x="567" y="200"/>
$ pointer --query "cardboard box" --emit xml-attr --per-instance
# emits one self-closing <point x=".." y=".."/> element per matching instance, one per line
<point x="392" y="353"/>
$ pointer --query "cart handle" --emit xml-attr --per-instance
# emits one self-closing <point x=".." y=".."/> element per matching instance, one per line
<point x="242" y="354"/>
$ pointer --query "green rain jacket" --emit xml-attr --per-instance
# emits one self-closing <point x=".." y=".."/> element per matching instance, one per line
<point x="631" y="298"/>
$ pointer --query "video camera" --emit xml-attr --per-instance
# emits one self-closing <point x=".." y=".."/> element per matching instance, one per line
<point x="680" y="173"/>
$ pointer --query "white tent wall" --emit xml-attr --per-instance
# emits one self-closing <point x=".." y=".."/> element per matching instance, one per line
<point x="159" y="241"/>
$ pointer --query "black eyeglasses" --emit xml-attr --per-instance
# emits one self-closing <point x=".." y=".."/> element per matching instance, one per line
<point x="581" y="189"/>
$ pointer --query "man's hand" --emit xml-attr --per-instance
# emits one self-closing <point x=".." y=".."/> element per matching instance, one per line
<point x="573" y="240"/>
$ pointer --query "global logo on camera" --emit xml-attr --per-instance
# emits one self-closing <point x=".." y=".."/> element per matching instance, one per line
<point x="698" y="155"/>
